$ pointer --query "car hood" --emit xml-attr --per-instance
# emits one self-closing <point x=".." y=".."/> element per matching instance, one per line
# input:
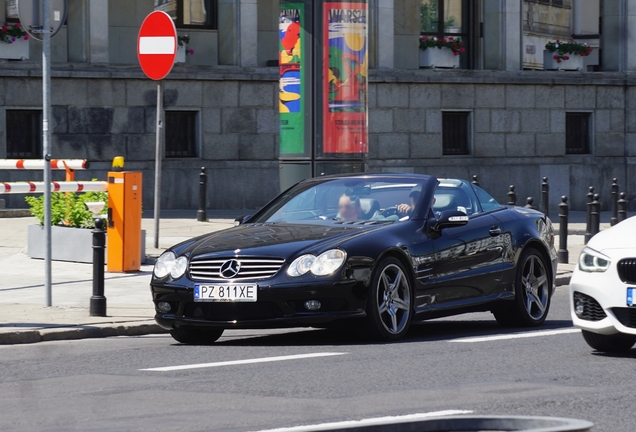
<point x="275" y="239"/>
<point x="621" y="236"/>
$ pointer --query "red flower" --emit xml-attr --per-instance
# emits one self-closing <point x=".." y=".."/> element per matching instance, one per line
<point x="565" y="57"/>
<point x="443" y="40"/>
<point x="556" y="57"/>
<point x="559" y="61"/>
<point x="456" y="53"/>
<point x="462" y="50"/>
<point x="582" y="54"/>
<point x="4" y="29"/>
<point x="26" y="37"/>
<point x="17" y="25"/>
<point x="451" y="38"/>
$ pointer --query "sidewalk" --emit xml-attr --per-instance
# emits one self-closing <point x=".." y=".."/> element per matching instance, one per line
<point x="24" y="319"/>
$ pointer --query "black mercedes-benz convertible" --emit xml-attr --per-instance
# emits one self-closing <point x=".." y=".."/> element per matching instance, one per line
<point x="374" y="252"/>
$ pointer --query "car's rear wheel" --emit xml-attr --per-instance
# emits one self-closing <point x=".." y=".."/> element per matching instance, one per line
<point x="389" y="309"/>
<point x="532" y="293"/>
<point x="619" y="342"/>
<point x="196" y="336"/>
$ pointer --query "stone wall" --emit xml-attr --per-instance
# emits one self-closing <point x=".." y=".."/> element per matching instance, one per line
<point x="518" y="132"/>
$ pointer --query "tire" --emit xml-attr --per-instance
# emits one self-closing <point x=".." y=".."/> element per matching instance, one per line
<point x="532" y="293"/>
<point x="389" y="305"/>
<point x="619" y="342"/>
<point x="195" y="336"/>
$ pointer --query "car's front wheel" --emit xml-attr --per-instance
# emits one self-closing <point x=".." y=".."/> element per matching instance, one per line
<point x="532" y="293"/>
<point x="389" y="310"/>
<point x="196" y="336"/>
<point x="618" y="342"/>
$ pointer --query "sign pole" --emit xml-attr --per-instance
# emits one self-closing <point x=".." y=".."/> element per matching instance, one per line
<point x="46" y="146"/>
<point x="158" y="157"/>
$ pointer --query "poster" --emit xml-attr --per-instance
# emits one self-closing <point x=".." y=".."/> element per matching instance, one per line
<point x="345" y="78"/>
<point x="291" y="80"/>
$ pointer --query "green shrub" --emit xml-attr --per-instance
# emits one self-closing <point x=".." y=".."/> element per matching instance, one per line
<point x="67" y="209"/>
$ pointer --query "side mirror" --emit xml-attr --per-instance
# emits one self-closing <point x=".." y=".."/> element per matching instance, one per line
<point x="241" y="220"/>
<point x="449" y="219"/>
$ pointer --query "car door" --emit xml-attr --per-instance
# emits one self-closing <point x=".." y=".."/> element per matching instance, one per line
<point x="469" y="259"/>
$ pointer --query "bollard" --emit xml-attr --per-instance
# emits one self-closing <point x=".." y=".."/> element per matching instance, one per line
<point x="614" y="217"/>
<point x="588" y="212"/>
<point x="545" y="200"/>
<point x="595" y="216"/>
<point x="529" y="203"/>
<point x="622" y="207"/>
<point x="203" y="185"/>
<point x="564" y="210"/>
<point x="475" y="180"/>
<point x="98" y="301"/>
<point x="512" y="196"/>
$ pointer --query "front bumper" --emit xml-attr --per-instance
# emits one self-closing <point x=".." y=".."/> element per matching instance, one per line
<point x="604" y="297"/>
<point x="278" y="306"/>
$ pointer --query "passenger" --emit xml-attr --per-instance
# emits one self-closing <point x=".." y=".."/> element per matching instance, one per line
<point x="349" y="208"/>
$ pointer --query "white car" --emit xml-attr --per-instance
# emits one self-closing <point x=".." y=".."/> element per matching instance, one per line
<point x="603" y="289"/>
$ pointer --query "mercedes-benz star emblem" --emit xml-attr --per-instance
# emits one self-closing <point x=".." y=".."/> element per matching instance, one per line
<point x="230" y="269"/>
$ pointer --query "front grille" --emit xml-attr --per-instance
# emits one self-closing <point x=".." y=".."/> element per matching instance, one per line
<point x="626" y="316"/>
<point x="232" y="311"/>
<point x="627" y="270"/>
<point x="250" y="268"/>
<point x="592" y="311"/>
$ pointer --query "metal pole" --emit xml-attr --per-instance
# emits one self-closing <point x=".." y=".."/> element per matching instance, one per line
<point x="475" y="180"/>
<point x="588" y="213"/>
<point x="545" y="199"/>
<point x="614" y="217"/>
<point x="158" y="157"/>
<point x="530" y="203"/>
<point x="563" y="253"/>
<point x="98" y="300"/>
<point x="203" y="181"/>
<point x="512" y="196"/>
<point x="595" y="216"/>
<point x="46" y="146"/>
<point x="622" y="207"/>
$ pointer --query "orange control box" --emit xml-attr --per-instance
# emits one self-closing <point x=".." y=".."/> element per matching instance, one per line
<point x="124" y="221"/>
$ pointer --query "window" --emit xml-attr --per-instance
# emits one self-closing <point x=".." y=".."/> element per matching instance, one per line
<point x="24" y="134"/>
<point x="577" y="133"/>
<point x="181" y="134"/>
<point x="190" y="13"/>
<point x="446" y="18"/>
<point x="456" y="132"/>
<point x="487" y="202"/>
<point x="11" y="10"/>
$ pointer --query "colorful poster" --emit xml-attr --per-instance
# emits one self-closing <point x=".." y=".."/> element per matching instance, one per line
<point x="291" y="81"/>
<point x="345" y="78"/>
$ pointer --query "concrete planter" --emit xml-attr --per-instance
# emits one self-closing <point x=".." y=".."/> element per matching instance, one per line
<point x="438" y="58"/>
<point x="181" y="53"/>
<point x="68" y="244"/>
<point x="18" y="50"/>
<point x="574" y="63"/>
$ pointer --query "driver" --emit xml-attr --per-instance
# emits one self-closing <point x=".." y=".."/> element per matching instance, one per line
<point x="349" y="208"/>
<point x="408" y="209"/>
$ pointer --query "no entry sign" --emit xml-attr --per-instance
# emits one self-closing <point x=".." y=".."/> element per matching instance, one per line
<point x="157" y="45"/>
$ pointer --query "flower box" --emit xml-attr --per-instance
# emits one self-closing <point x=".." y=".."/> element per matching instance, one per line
<point x="574" y="62"/>
<point x="438" y="58"/>
<point x="181" y="53"/>
<point x="17" y="50"/>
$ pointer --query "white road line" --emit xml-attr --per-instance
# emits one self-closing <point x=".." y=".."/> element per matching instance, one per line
<point x="243" y="362"/>
<point x="369" y="422"/>
<point x="156" y="45"/>
<point x="516" y="336"/>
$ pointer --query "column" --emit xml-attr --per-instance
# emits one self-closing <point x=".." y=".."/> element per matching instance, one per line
<point x="502" y="24"/>
<point x="248" y="33"/>
<point x="228" y="32"/>
<point x="618" y="38"/>
<point x="98" y="31"/>
<point x="385" y="35"/>
<point x="77" y="27"/>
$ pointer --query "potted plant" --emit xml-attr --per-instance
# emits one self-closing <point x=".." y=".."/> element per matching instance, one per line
<point x="560" y="55"/>
<point x="72" y="224"/>
<point x="441" y="53"/>
<point x="14" y="42"/>
<point x="182" y="48"/>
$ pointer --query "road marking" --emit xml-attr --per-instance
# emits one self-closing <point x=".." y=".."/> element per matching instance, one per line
<point x="243" y="362"/>
<point x="377" y="421"/>
<point x="517" y="336"/>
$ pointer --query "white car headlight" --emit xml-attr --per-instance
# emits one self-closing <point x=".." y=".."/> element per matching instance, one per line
<point x="593" y="261"/>
<point x="169" y="264"/>
<point x="328" y="262"/>
<point x="301" y="265"/>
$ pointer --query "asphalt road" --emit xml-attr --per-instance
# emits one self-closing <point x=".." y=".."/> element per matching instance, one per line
<point x="465" y="364"/>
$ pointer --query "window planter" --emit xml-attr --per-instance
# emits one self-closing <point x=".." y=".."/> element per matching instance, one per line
<point x="438" y="58"/>
<point x="68" y="244"/>
<point x="574" y="63"/>
<point x="18" y="50"/>
<point x="182" y="50"/>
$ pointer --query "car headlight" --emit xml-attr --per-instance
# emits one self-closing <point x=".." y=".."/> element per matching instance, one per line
<point x="301" y="265"/>
<point x="322" y="265"/>
<point x="169" y="264"/>
<point x="593" y="261"/>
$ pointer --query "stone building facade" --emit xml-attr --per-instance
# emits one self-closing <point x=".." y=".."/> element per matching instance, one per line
<point x="516" y="119"/>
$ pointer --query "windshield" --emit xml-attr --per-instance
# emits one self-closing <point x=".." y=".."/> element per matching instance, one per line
<point x="346" y="200"/>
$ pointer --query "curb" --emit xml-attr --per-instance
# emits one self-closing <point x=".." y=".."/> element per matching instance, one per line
<point x="563" y="279"/>
<point x="14" y="213"/>
<point x="81" y="332"/>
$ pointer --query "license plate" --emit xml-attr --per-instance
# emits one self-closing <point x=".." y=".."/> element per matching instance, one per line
<point x="225" y="293"/>
<point x="631" y="296"/>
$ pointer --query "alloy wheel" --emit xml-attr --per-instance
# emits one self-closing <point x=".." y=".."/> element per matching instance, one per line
<point x="394" y="299"/>
<point x="536" y="287"/>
